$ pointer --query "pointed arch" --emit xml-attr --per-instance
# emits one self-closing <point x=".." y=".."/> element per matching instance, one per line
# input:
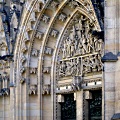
<point x="37" y="48"/>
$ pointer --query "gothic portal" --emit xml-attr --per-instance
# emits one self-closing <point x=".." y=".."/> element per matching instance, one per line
<point x="59" y="60"/>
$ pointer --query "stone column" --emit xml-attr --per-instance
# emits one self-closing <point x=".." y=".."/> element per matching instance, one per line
<point x="117" y="75"/>
<point x="109" y="90"/>
<point x="12" y="93"/>
<point x="110" y="58"/>
<point x="79" y="105"/>
<point x="117" y="87"/>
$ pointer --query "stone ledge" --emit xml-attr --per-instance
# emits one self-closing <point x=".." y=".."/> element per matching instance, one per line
<point x="109" y="57"/>
<point x="116" y="116"/>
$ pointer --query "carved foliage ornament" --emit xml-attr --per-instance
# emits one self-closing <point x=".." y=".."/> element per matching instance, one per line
<point x="80" y="51"/>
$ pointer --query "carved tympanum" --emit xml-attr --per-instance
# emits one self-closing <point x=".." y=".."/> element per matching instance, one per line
<point x="80" y="51"/>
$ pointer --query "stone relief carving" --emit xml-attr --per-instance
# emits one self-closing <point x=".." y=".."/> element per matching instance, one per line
<point x="5" y="80"/>
<point x="3" y="48"/>
<point x="46" y="69"/>
<point x="37" y="7"/>
<point x="22" y="80"/>
<point x="54" y="4"/>
<point x="80" y="51"/>
<point x="46" y="18"/>
<point x="39" y="35"/>
<point x="23" y="59"/>
<point x="22" y="70"/>
<point x="70" y="67"/>
<point x="60" y="98"/>
<point x="33" y="70"/>
<point x="32" y="16"/>
<point x="87" y="5"/>
<point x="46" y="89"/>
<point x="88" y="95"/>
<point x="73" y="3"/>
<point x="35" y="52"/>
<point x="24" y="47"/>
<point x="5" y="91"/>
<point x="29" y="26"/>
<point x="26" y="36"/>
<point x="76" y="83"/>
<point x="48" y="51"/>
<point x="62" y="17"/>
<point x="54" y="33"/>
<point x="33" y="90"/>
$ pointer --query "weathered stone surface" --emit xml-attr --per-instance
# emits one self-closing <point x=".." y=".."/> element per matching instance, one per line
<point x="53" y="48"/>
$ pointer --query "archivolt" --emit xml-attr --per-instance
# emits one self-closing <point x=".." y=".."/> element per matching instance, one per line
<point x="27" y="41"/>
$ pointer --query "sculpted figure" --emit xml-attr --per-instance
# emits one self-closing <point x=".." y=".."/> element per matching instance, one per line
<point x="78" y="66"/>
<point x="86" y="65"/>
<point x="84" y="44"/>
<point x="87" y="28"/>
<point x="73" y="67"/>
<point x="68" y="68"/>
<point x="99" y="63"/>
<point x="64" y="49"/>
<point x="72" y="49"/>
<point x="62" y="68"/>
<point x="95" y="44"/>
<point x="100" y="44"/>
<point x="80" y="48"/>
<point x="81" y="20"/>
<point x="94" y="62"/>
<point x="68" y="46"/>
<point x="89" y="43"/>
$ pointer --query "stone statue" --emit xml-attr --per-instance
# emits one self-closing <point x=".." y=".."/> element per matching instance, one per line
<point x="78" y="66"/>
<point x="95" y="44"/>
<point x="86" y="65"/>
<point x="100" y="44"/>
<point x="89" y="43"/>
<point x="62" y="68"/>
<point x="72" y="49"/>
<point x="68" y="68"/>
<point x="69" y="42"/>
<point x="87" y="28"/>
<point x="84" y="44"/>
<point x="64" y="49"/>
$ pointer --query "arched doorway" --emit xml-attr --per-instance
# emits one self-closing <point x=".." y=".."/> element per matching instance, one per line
<point x="63" y="55"/>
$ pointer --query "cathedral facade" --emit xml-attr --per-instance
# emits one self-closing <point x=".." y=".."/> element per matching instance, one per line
<point x="59" y="59"/>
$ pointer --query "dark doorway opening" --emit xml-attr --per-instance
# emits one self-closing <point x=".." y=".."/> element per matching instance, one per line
<point x="95" y="105"/>
<point x="68" y="108"/>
